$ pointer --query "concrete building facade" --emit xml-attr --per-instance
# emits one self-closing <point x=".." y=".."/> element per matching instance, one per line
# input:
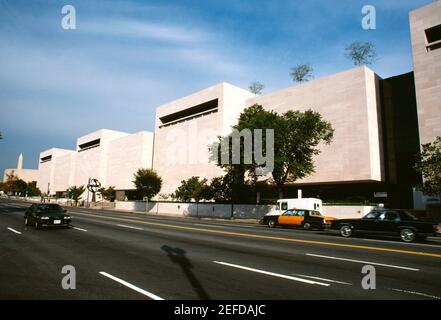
<point x="425" y="29"/>
<point x="185" y="128"/>
<point x="350" y="101"/>
<point x="111" y="157"/>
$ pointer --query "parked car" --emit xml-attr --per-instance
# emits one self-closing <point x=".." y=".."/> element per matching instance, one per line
<point x="307" y="219"/>
<point x="390" y="222"/>
<point x="46" y="215"/>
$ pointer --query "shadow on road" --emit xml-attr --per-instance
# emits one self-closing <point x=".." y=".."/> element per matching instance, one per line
<point x="177" y="255"/>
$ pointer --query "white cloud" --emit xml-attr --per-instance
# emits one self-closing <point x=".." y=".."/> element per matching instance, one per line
<point x="143" y="30"/>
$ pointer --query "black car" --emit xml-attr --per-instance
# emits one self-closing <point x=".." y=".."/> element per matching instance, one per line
<point x="390" y="222"/>
<point x="46" y="215"/>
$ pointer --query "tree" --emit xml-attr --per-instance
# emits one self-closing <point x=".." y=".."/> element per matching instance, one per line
<point x="7" y="185"/>
<point x="14" y="185"/>
<point x="301" y="72"/>
<point x="222" y="189"/>
<point x="429" y="164"/>
<point x="107" y="193"/>
<point x="256" y="87"/>
<point x="296" y="137"/>
<point x="147" y="182"/>
<point x="19" y="187"/>
<point x="361" y="53"/>
<point x="75" y="193"/>
<point x="32" y="190"/>
<point x="192" y="188"/>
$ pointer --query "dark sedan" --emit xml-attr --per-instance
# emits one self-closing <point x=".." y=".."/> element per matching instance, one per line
<point x="390" y="222"/>
<point x="46" y="215"/>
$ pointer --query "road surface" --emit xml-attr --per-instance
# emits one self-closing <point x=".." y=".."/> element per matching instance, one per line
<point x="119" y="255"/>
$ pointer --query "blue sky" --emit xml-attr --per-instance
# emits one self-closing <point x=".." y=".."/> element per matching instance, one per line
<point x="127" y="57"/>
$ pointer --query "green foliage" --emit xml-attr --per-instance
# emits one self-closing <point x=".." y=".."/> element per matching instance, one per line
<point x="147" y="182"/>
<point x="429" y="164"/>
<point x="296" y="137"/>
<point x="75" y="193"/>
<point x="361" y="53"/>
<point x="302" y="72"/>
<point x="32" y="190"/>
<point x="107" y="193"/>
<point x="256" y="87"/>
<point x="192" y="189"/>
<point x="15" y="186"/>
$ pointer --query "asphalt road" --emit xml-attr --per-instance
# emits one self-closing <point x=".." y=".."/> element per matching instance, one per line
<point x="120" y="255"/>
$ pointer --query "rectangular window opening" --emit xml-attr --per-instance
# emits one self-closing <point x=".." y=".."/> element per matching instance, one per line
<point x="433" y="38"/>
<point x="190" y="113"/>
<point x="46" y="159"/>
<point x="89" y="145"/>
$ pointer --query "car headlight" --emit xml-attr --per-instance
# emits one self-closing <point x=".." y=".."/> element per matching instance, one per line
<point x="44" y="218"/>
<point x="68" y="217"/>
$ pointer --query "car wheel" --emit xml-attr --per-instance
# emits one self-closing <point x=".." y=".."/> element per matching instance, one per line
<point x="407" y="235"/>
<point x="271" y="223"/>
<point x="307" y="226"/>
<point x="346" y="231"/>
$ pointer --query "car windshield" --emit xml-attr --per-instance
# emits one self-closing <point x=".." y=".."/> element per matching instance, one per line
<point x="49" y="208"/>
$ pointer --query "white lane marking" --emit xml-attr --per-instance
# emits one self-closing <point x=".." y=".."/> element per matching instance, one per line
<point x="130" y="227"/>
<point x="323" y="279"/>
<point x="417" y="293"/>
<point x="131" y="286"/>
<point x="80" y="229"/>
<point x="364" y="262"/>
<point x="13" y="230"/>
<point x="272" y="274"/>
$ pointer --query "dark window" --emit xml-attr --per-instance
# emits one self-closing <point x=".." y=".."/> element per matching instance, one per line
<point x="46" y="159"/>
<point x="192" y="112"/>
<point x="433" y="37"/>
<point x="389" y="216"/>
<point x="88" y="145"/>
<point x="284" y="205"/>
<point x="300" y="213"/>
<point x="372" y="215"/>
<point x="407" y="216"/>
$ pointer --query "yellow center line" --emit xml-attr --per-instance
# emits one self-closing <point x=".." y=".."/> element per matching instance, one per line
<point x="257" y="236"/>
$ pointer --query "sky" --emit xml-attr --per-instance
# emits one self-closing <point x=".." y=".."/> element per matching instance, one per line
<point x="125" y="58"/>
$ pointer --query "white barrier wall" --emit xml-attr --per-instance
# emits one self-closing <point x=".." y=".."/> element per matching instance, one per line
<point x="239" y="211"/>
<point x="346" y="212"/>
